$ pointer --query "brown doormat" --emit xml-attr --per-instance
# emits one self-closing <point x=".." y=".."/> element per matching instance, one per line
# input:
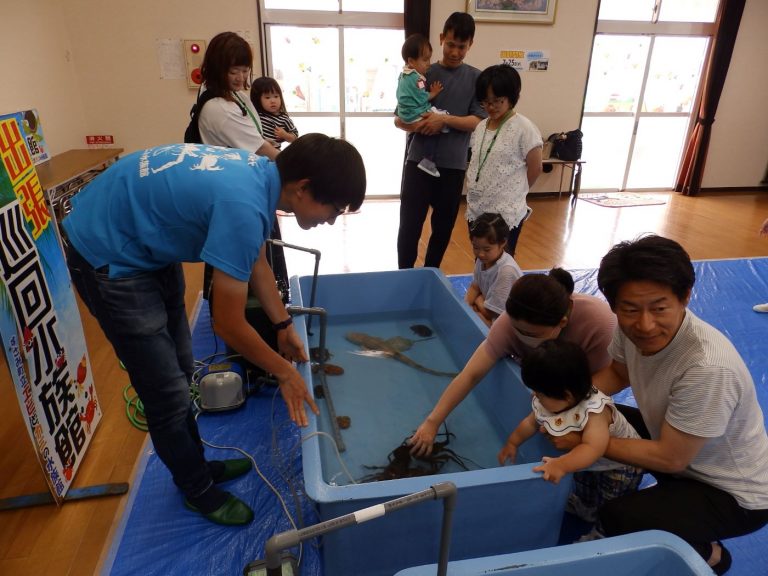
<point x="623" y="199"/>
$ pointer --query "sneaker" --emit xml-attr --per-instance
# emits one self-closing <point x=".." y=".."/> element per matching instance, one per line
<point x="234" y="512"/>
<point x="226" y="470"/>
<point x="760" y="307"/>
<point x="576" y="506"/>
<point x="429" y="167"/>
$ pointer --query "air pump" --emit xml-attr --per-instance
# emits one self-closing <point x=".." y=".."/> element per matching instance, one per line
<point x="222" y="387"/>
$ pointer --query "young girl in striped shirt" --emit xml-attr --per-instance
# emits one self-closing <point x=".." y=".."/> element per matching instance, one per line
<point x="267" y="98"/>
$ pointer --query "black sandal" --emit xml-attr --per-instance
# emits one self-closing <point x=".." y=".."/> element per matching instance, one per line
<point x="725" y="560"/>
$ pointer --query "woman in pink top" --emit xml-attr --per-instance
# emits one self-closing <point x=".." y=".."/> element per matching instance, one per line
<point x="540" y="307"/>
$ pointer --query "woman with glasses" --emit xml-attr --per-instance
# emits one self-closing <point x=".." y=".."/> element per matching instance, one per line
<point x="506" y="153"/>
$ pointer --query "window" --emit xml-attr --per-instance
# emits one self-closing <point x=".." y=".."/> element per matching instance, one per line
<point x="643" y="90"/>
<point x="337" y="67"/>
<point x="668" y="10"/>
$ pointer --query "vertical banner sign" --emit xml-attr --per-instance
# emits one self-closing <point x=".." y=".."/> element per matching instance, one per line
<point x="40" y="324"/>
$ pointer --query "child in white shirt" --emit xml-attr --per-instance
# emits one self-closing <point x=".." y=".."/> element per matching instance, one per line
<point x="495" y="270"/>
<point x="563" y="401"/>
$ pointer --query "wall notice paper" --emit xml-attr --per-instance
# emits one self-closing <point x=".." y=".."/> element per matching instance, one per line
<point x="170" y="57"/>
<point x="42" y="336"/>
<point x="526" y="60"/>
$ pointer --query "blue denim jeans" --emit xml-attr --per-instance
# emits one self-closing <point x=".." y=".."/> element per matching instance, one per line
<point x="145" y="320"/>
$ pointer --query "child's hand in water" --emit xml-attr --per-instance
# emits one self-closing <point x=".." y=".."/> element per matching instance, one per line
<point x="507" y="452"/>
<point x="551" y="469"/>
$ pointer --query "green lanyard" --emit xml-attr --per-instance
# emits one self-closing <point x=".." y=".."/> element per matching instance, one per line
<point x="483" y="158"/>
<point x="258" y="126"/>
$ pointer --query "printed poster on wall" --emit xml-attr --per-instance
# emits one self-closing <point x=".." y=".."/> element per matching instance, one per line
<point x="31" y="132"/>
<point x="40" y="325"/>
<point x="526" y="60"/>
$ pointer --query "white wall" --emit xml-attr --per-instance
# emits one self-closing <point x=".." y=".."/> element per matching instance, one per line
<point x="114" y="44"/>
<point x="91" y="67"/>
<point x="37" y="70"/>
<point x="738" y="151"/>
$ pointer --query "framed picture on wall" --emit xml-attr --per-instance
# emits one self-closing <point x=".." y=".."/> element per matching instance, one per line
<point x="516" y="11"/>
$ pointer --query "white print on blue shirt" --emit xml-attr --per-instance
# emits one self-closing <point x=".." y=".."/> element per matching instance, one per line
<point x="204" y="158"/>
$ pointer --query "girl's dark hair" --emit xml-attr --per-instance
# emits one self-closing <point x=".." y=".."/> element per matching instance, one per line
<point x="266" y="85"/>
<point x="414" y="46"/>
<point x="461" y="24"/>
<point x="556" y="367"/>
<point x="503" y="80"/>
<point x="541" y="299"/>
<point x="334" y="168"/>
<point x="564" y="277"/>
<point x="650" y="258"/>
<point x="491" y="227"/>
<point x="225" y="50"/>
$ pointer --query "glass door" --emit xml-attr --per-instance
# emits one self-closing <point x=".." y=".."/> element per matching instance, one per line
<point x="666" y="111"/>
<point x="643" y="91"/>
<point x="638" y="108"/>
<point x="611" y="104"/>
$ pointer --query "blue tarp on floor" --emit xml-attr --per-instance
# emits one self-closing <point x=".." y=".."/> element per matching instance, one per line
<point x="158" y="536"/>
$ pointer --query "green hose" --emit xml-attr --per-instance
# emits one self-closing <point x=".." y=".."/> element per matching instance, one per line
<point x="134" y="409"/>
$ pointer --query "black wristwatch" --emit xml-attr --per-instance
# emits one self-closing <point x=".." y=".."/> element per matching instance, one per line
<point x="282" y="325"/>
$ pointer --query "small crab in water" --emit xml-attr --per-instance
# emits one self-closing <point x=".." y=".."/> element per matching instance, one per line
<point x="344" y="422"/>
<point x="330" y="369"/>
<point x="314" y="354"/>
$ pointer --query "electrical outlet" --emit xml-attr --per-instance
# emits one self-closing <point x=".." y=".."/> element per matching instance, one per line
<point x="194" y="50"/>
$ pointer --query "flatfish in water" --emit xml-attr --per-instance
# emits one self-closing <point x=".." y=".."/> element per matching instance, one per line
<point x="391" y="348"/>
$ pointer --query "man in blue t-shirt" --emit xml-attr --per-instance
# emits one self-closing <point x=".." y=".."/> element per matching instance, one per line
<point x="419" y="190"/>
<point x="129" y="231"/>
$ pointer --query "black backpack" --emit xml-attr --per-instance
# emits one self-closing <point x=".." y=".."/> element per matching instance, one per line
<point x="192" y="133"/>
<point x="566" y="145"/>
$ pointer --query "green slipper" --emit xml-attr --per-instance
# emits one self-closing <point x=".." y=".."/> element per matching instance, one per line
<point x="234" y="512"/>
<point x="233" y="468"/>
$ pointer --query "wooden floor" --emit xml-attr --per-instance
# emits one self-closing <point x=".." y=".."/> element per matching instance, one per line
<point x="71" y="540"/>
<point x="711" y="226"/>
